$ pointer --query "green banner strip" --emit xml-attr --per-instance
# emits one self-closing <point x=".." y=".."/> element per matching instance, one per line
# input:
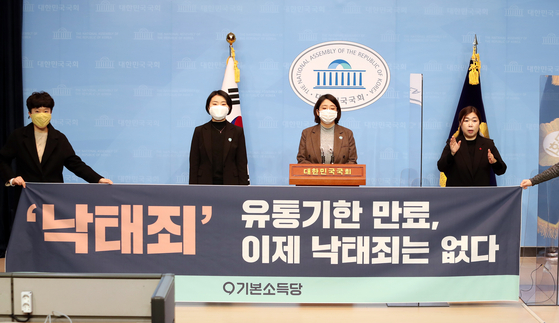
<point x="346" y="289"/>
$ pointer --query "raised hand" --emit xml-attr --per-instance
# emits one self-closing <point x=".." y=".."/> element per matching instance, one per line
<point x="490" y="156"/>
<point x="454" y="146"/>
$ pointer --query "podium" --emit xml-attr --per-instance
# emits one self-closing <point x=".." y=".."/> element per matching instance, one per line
<point x="327" y="174"/>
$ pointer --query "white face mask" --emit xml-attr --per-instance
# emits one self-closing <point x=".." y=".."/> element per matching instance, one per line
<point x="218" y="112"/>
<point x="328" y="116"/>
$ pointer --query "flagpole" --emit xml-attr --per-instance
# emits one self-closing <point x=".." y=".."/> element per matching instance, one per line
<point x="421" y="149"/>
<point x="230" y="79"/>
<point x="231" y="39"/>
<point x="475" y="66"/>
<point x="475" y="44"/>
<point x="471" y="96"/>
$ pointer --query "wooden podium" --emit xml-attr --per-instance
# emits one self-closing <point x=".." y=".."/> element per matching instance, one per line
<point x="327" y="174"/>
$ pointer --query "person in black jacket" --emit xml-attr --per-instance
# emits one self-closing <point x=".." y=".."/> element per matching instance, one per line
<point x="40" y="151"/>
<point x="468" y="159"/>
<point x="218" y="152"/>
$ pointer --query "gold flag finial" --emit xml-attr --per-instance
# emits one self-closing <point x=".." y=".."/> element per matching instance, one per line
<point x="474" y="69"/>
<point x="231" y="39"/>
<point x="475" y="43"/>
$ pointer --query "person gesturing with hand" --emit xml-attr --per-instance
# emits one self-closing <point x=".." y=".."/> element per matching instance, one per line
<point x="468" y="158"/>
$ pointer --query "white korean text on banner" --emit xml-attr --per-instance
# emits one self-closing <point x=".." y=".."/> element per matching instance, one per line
<point x="280" y="244"/>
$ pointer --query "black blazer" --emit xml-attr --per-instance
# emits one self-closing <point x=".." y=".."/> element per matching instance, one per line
<point x="235" y="171"/>
<point x="58" y="153"/>
<point x="459" y="169"/>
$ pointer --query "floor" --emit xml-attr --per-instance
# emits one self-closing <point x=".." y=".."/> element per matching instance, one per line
<point x="495" y="312"/>
<point x="532" y="270"/>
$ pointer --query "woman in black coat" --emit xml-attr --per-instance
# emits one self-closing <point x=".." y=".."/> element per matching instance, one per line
<point x="40" y="151"/>
<point x="468" y="159"/>
<point x="218" y="152"/>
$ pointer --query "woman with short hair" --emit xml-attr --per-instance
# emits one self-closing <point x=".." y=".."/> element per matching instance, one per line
<point x="218" y="152"/>
<point x="327" y="142"/>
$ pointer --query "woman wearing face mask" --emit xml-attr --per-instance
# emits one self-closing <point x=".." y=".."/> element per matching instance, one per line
<point x="218" y="152"/>
<point x="40" y="151"/>
<point x="327" y="142"/>
<point x="468" y="159"/>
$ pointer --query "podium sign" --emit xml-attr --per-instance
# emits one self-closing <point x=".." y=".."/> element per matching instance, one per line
<point x="327" y="174"/>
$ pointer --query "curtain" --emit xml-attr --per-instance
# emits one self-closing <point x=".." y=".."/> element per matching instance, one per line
<point x="11" y="100"/>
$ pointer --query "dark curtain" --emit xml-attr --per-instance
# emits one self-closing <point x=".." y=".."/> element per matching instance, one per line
<point x="11" y="100"/>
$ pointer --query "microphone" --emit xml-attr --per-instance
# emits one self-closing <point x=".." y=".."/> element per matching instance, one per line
<point x="331" y="156"/>
<point x="322" y="155"/>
